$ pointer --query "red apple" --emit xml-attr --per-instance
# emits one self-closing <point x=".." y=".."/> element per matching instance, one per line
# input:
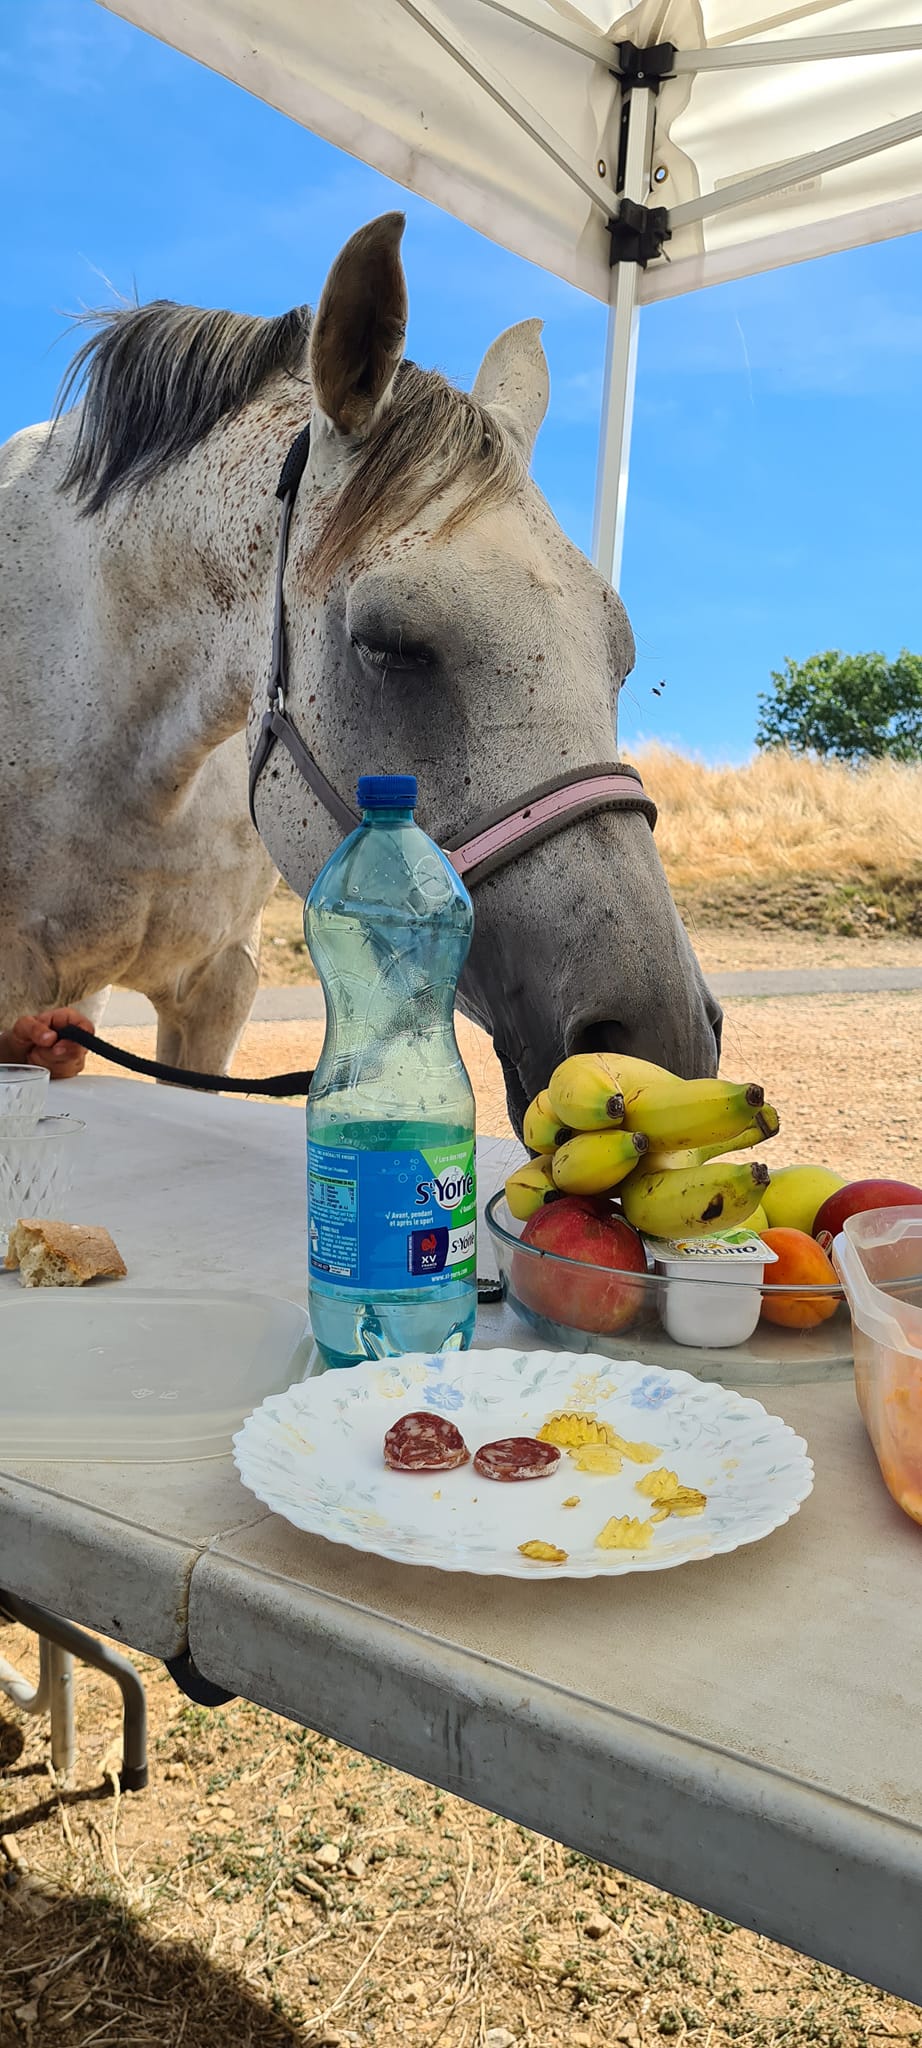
<point x="858" y="1196"/>
<point x="584" y="1229"/>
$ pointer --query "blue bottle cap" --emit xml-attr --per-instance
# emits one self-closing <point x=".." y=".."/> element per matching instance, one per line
<point x="386" y="792"/>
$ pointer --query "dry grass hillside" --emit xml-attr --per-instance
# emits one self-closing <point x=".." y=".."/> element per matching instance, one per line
<point x="780" y="843"/>
<point x="819" y="844"/>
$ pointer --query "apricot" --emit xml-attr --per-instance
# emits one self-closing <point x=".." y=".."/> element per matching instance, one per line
<point x="801" y="1262"/>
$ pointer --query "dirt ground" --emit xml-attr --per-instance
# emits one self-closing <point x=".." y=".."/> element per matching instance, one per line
<point x="275" y="1891"/>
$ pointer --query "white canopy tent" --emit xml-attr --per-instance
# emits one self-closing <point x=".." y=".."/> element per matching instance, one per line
<point x="692" y="142"/>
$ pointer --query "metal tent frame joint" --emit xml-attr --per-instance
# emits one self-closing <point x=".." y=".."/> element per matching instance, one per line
<point x="638" y="234"/>
<point x="650" y="67"/>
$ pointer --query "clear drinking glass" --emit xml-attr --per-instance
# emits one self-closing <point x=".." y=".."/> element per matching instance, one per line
<point x="22" y="1098"/>
<point x="37" y="1171"/>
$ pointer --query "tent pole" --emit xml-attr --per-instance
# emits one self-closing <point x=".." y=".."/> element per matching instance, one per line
<point x="853" y="149"/>
<point x="865" y="42"/>
<point x="621" y="354"/>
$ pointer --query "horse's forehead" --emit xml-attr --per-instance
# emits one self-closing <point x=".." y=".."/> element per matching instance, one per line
<point x="515" y="548"/>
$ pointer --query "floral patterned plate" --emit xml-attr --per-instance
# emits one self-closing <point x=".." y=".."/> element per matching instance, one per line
<point x="314" y="1455"/>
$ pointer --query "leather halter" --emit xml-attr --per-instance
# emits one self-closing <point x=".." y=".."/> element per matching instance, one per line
<point x="491" y="841"/>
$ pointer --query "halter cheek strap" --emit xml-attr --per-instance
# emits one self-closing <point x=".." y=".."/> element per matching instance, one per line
<point x="493" y="840"/>
<point x="276" y="724"/>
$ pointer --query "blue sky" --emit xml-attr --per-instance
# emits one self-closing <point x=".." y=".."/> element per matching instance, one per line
<point x="778" y="436"/>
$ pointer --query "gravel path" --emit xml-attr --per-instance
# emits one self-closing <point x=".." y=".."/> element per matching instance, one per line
<point x="288" y="1005"/>
<point x="842" y="1069"/>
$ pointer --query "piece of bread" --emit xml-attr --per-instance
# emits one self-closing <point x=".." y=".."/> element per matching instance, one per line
<point x="62" y="1254"/>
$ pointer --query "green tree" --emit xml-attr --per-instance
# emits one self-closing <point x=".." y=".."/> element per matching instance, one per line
<point x="854" y="707"/>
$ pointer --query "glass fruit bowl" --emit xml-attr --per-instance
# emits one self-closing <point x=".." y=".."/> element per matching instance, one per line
<point x="579" y="1307"/>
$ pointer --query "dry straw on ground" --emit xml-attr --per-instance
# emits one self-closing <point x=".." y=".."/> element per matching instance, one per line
<point x="780" y="816"/>
<point x="274" y="1891"/>
<point x="778" y="844"/>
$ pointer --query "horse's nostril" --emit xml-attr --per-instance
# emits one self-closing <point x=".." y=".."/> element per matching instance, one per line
<point x="600" y="1036"/>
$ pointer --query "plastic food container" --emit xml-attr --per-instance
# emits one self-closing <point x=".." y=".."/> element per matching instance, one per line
<point x="577" y="1307"/>
<point x="879" y="1259"/>
<point x="148" y="1378"/>
<point x="714" y="1293"/>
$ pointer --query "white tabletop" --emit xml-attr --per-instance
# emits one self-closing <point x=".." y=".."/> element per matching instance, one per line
<point x="742" y="1732"/>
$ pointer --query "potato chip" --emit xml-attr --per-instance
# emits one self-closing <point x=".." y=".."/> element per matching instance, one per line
<point x="656" y="1485"/>
<point x="688" y="1501"/>
<point x="543" y="1553"/>
<point x="570" y="1431"/>
<point x="596" y="1458"/>
<point x="671" y="1498"/>
<point x="624" y="1532"/>
<point x="639" y="1454"/>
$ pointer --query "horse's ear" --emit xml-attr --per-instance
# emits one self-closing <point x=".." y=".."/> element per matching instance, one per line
<point x="514" y="379"/>
<point x="359" y="329"/>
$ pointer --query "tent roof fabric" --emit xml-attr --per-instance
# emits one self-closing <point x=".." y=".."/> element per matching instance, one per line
<point x="507" y="114"/>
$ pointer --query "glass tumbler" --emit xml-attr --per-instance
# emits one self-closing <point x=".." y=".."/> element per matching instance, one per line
<point x="23" y="1092"/>
<point x="37" y="1171"/>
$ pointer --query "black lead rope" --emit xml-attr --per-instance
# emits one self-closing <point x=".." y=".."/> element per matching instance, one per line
<point x="296" y="1083"/>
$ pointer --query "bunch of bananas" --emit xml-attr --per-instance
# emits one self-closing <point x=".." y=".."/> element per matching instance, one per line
<point x="604" y="1122"/>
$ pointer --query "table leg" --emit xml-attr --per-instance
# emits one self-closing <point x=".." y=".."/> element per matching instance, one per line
<point x="60" y="1642"/>
<point x="60" y="1664"/>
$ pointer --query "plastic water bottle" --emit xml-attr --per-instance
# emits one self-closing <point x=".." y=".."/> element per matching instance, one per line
<point x="392" y="1203"/>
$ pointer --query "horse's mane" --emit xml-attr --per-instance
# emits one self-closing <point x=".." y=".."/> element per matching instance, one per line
<point x="429" y="439"/>
<point x="156" y="379"/>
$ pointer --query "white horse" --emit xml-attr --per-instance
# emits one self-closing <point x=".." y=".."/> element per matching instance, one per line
<point x="439" y="622"/>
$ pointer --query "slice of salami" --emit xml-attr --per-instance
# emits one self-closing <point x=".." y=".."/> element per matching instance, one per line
<point x="516" y="1457"/>
<point x="424" y="1443"/>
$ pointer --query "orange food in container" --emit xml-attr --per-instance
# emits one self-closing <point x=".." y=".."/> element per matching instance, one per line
<point x="878" y="1256"/>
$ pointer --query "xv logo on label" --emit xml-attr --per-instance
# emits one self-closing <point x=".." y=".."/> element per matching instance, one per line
<point x="428" y="1251"/>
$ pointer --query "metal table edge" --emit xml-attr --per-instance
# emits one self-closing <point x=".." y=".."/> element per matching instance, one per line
<point x="790" y="1859"/>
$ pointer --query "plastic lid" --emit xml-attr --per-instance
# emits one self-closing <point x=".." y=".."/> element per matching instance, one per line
<point x="725" y="1244"/>
<point x="386" y="792"/>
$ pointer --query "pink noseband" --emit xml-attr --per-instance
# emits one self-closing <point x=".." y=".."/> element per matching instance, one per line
<point x="495" y="840"/>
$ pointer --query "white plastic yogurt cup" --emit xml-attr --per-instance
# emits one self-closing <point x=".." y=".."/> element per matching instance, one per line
<point x="714" y="1293"/>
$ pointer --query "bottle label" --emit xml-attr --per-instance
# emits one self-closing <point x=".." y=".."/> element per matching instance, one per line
<point x="384" y="1220"/>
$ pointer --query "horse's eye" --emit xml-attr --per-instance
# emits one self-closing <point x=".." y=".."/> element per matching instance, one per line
<point x="397" y="655"/>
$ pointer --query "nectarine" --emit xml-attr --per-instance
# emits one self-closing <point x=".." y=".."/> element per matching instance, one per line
<point x="857" y="1197"/>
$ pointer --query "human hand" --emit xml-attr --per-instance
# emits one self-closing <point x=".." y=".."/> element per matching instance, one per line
<point x="34" y="1042"/>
